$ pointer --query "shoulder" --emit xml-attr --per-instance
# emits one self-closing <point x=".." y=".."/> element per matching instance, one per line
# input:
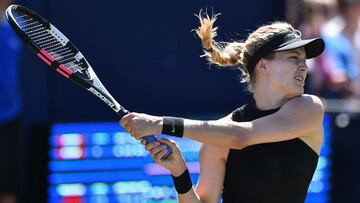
<point x="305" y="101"/>
<point x="307" y="105"/>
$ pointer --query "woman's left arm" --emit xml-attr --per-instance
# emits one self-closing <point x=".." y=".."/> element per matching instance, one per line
<point x="298" y="117"/>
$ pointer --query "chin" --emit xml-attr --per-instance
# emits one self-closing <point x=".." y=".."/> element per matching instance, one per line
<point x="298" y="91"/>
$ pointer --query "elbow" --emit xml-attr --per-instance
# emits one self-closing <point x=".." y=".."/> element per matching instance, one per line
<point x="240" y="137"/>
<point x="239" y="142"/>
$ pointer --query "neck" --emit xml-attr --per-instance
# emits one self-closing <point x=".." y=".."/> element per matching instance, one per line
<point x="267" y="98"/>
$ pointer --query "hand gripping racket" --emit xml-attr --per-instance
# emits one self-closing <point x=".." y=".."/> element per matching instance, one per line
<point x="51" y="46"/>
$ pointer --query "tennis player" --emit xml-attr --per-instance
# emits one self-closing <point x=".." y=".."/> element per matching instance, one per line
<point x="264" y="151"/>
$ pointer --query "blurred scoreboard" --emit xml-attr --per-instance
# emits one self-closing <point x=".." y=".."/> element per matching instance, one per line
<point x="101" y="163"/>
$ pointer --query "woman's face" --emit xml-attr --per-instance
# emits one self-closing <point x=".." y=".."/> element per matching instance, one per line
<point x="287" y="71"/>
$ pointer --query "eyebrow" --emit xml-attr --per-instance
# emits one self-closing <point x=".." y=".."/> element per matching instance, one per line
<point x="296" y="52"/>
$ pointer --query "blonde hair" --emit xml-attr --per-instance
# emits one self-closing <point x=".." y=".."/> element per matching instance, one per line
<point x="236" y="53"/>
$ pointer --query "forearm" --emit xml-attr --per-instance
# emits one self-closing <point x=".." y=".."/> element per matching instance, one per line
<point x="218" y="133"/>
<point x="183" y="183"/>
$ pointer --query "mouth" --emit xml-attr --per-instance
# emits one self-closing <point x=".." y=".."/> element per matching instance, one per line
<point x="300" y="79"/>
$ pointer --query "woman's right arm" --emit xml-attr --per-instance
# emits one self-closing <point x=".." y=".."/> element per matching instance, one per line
<point x="212" y="170"/>
<point x="212" y="173"/>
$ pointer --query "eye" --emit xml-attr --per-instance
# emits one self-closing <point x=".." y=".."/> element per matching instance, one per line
<point x="293" y="57"/>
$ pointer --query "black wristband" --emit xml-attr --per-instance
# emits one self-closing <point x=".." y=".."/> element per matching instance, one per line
<point x="173" y="126"/>
<point x="183" y="182"/>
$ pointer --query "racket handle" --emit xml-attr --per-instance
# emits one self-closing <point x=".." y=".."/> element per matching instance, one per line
<point x="122" y="112"/>
<point x="149" y="139"/>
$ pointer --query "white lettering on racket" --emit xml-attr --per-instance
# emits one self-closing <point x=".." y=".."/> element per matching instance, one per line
<point x="102" y="97"/>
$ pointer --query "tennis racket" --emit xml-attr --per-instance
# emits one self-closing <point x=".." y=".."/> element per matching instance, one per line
<point x="56" y="50"/>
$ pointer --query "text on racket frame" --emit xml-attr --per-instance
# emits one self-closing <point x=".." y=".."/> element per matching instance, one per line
<point x="102" y="97"/>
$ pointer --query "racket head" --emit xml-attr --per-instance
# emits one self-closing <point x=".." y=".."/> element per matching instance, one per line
<point x="57" y="51"/>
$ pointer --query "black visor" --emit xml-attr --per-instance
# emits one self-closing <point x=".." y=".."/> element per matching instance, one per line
<point x="284" y="42"/>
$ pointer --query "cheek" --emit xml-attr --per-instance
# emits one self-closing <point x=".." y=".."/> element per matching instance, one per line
<point x="281" y="71"/>
<point x="283" y="75"/>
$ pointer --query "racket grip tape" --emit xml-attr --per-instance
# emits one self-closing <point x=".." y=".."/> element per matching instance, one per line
<point x="151" y="138"/>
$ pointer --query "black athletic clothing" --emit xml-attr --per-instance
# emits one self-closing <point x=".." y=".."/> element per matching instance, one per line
<point x="278" y="172"/>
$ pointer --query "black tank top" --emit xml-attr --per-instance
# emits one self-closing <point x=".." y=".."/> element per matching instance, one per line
<point x="278" y="172"/>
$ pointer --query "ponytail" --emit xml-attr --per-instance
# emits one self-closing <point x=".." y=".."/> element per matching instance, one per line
<point x="222" y="54"/>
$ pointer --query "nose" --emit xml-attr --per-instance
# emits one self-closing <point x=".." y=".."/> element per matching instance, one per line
<point x="303" y="67"/>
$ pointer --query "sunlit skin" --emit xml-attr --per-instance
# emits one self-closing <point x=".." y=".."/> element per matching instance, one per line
<point x="288" y="71"/>
<point x="280" y="78"/>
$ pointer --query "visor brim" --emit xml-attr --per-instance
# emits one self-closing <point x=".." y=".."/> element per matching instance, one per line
<point x="313" y="47"/>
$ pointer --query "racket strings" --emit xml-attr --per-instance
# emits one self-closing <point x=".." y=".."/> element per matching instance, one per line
<point x="29" y="29"/>
<point x="58" y="49"/>
<point x="19" y="16"/>
<point x="58" y="52"/>
<point x="74" y="66"/>
<point x="38" y="33"/>
<point x="61" y="53"/>
<point x="45" y="39"/>
<point x="39" y="36"/>
<point x="25" y="20"/>
<point x="66" y="59"/>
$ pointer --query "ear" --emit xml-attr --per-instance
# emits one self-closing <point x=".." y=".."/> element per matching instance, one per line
<point x="262" y="65"/>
